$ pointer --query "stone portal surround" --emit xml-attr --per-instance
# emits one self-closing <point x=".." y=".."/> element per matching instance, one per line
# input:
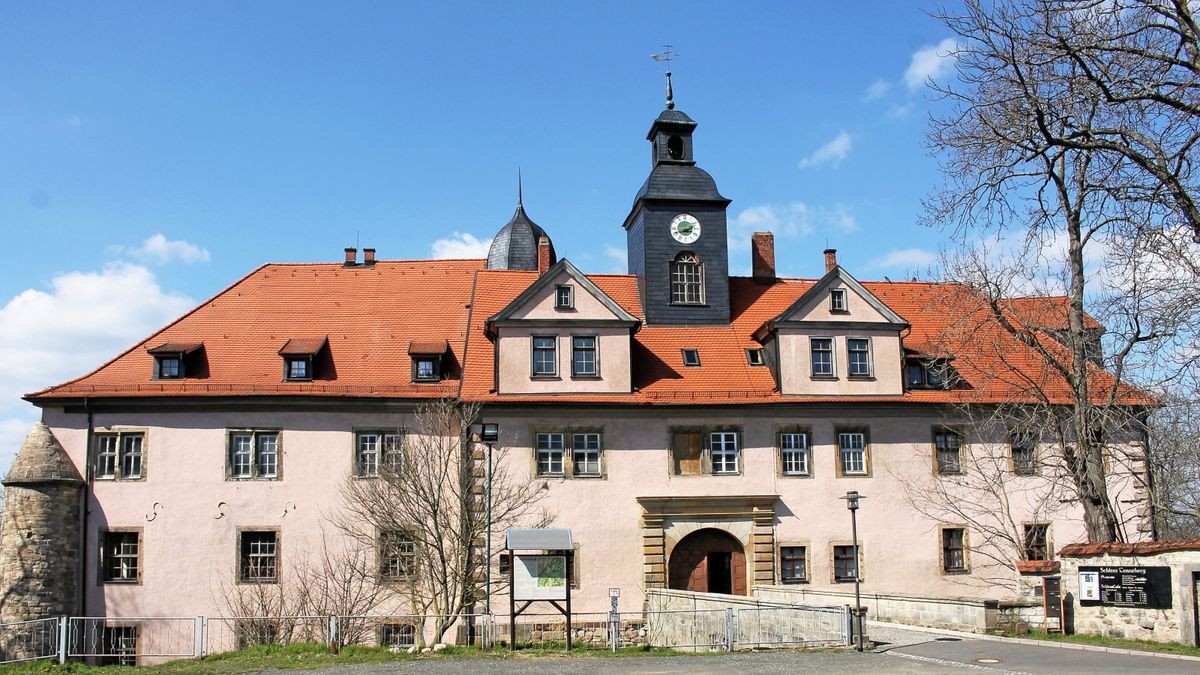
<point x="667" y="520"/>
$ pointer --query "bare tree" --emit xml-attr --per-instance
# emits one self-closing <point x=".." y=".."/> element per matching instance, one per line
<point x="1030" y="146"/>
<point x="426" y="514"/>
<point x="1175" y="467"/>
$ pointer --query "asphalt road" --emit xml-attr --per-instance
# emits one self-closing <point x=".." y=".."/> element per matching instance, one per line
<point x="900" y="651"/>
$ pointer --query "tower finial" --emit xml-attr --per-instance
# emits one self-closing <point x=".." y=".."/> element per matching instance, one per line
<point x="666" y="55"/>
<point x="520" y="190"/>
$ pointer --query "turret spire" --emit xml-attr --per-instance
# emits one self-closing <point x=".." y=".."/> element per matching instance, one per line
<point x="520" y="190"/>
<point x="666" y="55"/>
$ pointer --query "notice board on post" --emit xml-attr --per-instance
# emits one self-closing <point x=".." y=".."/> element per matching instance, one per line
<point x="1125" y="586"/>
<point x="539" y="577"/>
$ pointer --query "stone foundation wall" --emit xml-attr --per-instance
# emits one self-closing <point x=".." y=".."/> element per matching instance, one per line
<point x="1176" y="624"/>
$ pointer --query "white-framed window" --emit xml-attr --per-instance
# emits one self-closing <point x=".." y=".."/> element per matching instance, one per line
<point x="550" y="450"/>
<point x="119" y="456"/>
<point x="822" y="356"/>
<point x="755" y="357"/>
<point x="947" y="444"/>
<point x="258" y="552"/>
<point x="852" y="451"/>
<point x="584" y="362"/>
<point x="794" y="453"/>
<point x="378" y="450"/>
<point x="397" y="555"/>
<point x="586" y="453"/>
<point x="426" y="368"/>
<point x="120" y="557"/>
<point x="564" y="296"/>
<point x="687" y="280"/>
<point x="837" y="300"/>
<point x="858" y="357"/>
<point x="723" y="448"/>
<point x="254" y="455"/>
<point x="298" y="368"/>
<point x="545" y="356"/>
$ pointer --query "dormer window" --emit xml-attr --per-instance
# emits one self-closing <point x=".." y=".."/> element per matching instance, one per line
<point x="837" y="300"/>
<point x="298" y="368"/>
<point x="691" y="358"/>
<point x="927" y="374"/>
<point x="755" y="357"/>
<point x="427" y="359"/>
<point x="171" y="359"/>
<point x="564" y="296"/>
<point x="169" y="367"/>
<point x="299" y="358"/>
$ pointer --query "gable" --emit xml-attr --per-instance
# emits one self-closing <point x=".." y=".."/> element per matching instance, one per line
<point x="539" y="302"/>
<point x="861" y="306"/>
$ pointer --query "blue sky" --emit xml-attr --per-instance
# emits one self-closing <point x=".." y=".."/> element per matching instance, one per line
<point x="153" y="153"/>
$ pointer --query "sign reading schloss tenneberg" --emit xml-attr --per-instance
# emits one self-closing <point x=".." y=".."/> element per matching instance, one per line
<point x="1148" y="587"/>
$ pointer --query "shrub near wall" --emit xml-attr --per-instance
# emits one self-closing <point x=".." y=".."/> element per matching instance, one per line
<point x="1176" y="624"/>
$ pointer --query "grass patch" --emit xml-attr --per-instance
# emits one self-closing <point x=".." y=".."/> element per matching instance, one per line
<point x="1119" y="643"/>
<point x="307" y="656"/>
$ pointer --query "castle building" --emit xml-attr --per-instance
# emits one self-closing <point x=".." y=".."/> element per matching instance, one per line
<point x="694" y="430"/>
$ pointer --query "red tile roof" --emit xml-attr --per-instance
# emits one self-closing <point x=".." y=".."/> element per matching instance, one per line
<point x="373" y="314"/>
<point x="1038" y="566"/>
<point x="1122" y="548"/>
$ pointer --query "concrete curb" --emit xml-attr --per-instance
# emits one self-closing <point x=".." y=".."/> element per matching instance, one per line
<point x="1028" y="641"/>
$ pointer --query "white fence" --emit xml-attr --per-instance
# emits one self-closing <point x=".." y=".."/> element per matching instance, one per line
<point x="148" y="640"/>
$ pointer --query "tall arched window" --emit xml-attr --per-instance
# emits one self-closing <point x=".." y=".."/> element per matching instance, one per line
<point x="687" y="280"/>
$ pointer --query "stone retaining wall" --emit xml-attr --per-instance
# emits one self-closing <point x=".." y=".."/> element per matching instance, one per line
<point x="963" y="614"/>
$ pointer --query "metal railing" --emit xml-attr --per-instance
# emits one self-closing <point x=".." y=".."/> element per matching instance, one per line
<point x="792" y="626"/>
<point x="144" y="640"/>
<point x="29" y="640"/>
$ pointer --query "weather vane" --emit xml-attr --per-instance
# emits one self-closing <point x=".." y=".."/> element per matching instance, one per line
<point x="666" y="55"/>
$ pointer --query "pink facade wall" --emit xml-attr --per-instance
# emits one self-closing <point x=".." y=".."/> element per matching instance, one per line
<point x="189" y="513"/>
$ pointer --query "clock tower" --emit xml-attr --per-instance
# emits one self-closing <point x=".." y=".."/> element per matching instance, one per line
<point x="676" y="231"/>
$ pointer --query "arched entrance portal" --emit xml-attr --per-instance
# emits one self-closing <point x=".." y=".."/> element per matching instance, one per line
<point x="708" y="561"/>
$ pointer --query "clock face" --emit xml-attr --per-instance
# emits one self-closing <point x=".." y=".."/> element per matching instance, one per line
<point x="685" y="228"/>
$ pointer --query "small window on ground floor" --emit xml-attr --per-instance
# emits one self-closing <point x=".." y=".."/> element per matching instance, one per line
<point x="845" y="566"/>
<point x="793" y="564"/>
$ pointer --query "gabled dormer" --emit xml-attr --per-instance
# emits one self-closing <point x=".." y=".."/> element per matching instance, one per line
<point x="563" y="334"/>
<point x="837" y="339"/>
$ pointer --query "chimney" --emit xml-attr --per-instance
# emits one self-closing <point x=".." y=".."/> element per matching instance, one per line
<point x="830" y="259"/>
<point x="762" y="257"/>
<point x="368" y="256"/>
<point x="543" y="254"/>
<point x="351" y="256"/>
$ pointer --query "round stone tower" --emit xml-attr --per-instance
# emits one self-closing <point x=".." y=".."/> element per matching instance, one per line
<point x="39" y="547"/>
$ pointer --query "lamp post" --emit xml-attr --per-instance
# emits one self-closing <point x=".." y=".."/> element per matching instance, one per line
<point x="852" y="498"/>
<point x="491" y="433"/>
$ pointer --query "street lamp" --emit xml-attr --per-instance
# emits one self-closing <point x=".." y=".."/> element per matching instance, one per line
<point x="852" y="498"/>
<point x="490" y="434"/>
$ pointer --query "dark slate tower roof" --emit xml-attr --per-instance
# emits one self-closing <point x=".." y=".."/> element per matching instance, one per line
<point x="515" y="246"/>
<point x="42" y="459"/>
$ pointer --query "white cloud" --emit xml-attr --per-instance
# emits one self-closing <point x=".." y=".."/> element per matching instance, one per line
<point x="832" y="152"/>
<point x="461" y="245"/>
<point x="158" y="249"/>
<point x="786" y="220"/>
<point x="83" y="320"/>
<point x="619" y="258"/>
<point x="930" y="63"/>
<point x="908" y="259"/>
<point x="840" y="218"/>
<point x="877" y="90"/>
<point x="73" y="121"/>
<point x="900" y="111"/>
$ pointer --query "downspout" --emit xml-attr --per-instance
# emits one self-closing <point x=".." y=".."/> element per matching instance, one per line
<point x="83" y="511"/>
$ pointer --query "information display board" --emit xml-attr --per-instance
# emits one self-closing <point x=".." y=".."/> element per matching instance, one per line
<point x="1148" y="587"/>
<point x="540" y="577"/>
